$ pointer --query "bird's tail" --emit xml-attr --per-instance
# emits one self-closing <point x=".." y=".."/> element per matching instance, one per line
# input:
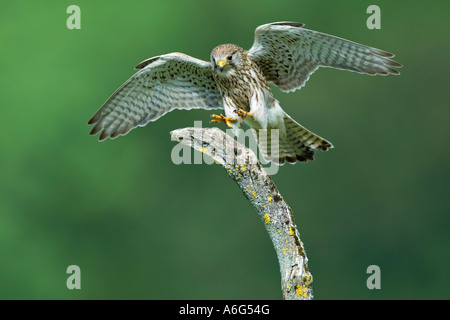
<point x="298" y="144"/>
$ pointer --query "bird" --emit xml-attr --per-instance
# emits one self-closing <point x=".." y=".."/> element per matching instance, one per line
<point x="238" y="81"/>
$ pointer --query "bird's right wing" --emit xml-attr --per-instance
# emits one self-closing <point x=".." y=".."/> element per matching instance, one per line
<point x="163" y="83"/>
<point x="288" y="54"/>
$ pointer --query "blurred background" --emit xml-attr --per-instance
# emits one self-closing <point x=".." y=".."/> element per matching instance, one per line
<point x="141" y="227"/>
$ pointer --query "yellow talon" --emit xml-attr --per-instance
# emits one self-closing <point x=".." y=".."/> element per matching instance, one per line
<point x="222" y="119"/>
<point x="241" y="113"/>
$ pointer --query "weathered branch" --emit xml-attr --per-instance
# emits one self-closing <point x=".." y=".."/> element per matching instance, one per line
<point x="243" y="167"/>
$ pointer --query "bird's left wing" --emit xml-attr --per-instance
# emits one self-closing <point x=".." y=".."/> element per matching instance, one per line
<point x="288" y="54"/>
<point x="163" y="83"/>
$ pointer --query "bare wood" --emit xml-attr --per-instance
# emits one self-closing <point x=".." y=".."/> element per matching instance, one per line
<point x="243" y="167"/>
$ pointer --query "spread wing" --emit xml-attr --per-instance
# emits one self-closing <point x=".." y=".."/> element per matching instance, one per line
<point x="288" y="54"/>
<point x="163" y="83"/>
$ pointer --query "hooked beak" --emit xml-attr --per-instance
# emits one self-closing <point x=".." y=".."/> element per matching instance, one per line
<point x="221" y="64"/>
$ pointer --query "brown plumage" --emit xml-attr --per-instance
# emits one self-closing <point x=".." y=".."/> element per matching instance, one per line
<point x="284" y="54"/>
<point x="244" y="86"/>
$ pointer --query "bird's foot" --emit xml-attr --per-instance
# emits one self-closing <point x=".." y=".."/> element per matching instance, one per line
<point x="222" y="119"/>
<point x="241" y="113"/>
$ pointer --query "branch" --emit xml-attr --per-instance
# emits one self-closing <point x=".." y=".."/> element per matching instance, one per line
<point x="244" y="168"/>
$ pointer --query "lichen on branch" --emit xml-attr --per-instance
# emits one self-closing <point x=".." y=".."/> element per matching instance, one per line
<point x="258" y="187"/>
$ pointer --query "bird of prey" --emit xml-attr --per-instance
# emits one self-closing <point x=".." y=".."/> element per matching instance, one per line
<point x="283" y="54"/>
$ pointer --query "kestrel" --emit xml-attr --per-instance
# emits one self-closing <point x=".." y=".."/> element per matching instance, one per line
<point x="283" y="54"/>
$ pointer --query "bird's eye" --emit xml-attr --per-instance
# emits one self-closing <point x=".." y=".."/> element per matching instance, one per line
<point x="229" y="58"/>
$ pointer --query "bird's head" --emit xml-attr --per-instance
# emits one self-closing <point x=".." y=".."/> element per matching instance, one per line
<point x="226" y="58"/>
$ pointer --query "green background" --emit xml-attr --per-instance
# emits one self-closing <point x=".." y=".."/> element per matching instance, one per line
<point x="141" y="227"/>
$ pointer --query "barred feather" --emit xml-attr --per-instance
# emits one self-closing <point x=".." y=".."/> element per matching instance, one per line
<point x="288" y="54"/>
<point x="298" y="145"/>
<point x="163" y="83"/>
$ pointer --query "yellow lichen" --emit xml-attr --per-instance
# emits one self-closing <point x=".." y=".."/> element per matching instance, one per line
<point x="278" y="230"/>
<point x="301" y="290"/>
<point x="203" y="149"/>
<point x="267" y="218"/>
<point x="291" y="231"/>
<point x="270" y="199"/>
<point x="307" y="279"/>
